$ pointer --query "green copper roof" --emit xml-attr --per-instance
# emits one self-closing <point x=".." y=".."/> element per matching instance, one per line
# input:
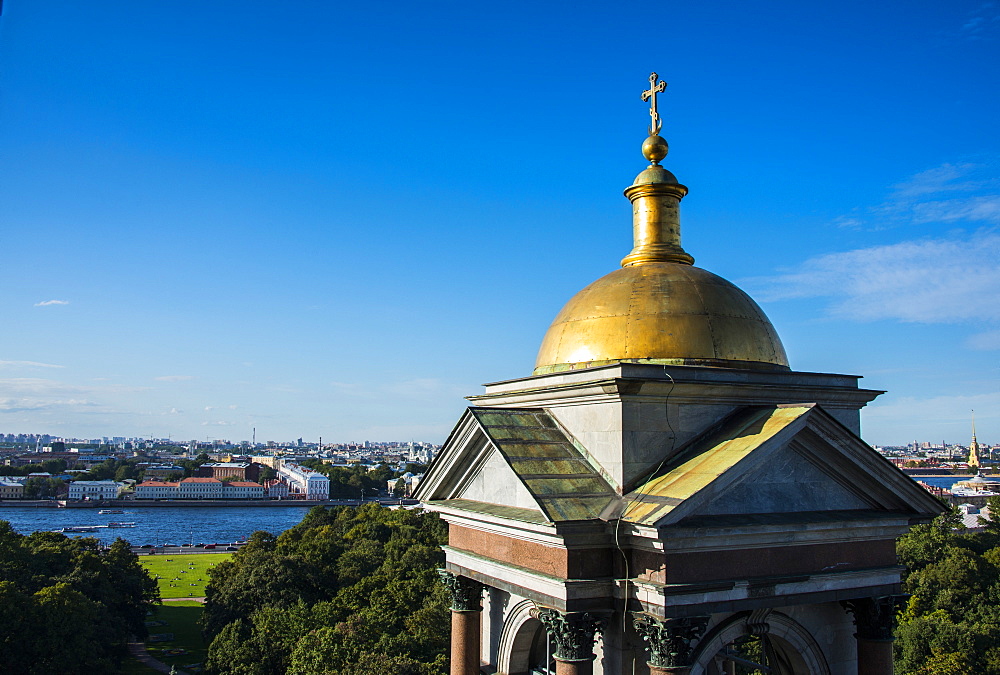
<point x="706" y="460"/>
<point x="563" y="483"/>
<point x="508" y="512"/>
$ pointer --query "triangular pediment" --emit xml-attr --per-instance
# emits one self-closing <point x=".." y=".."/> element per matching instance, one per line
<point x="775" y="460"/>
<point x="517" y="459"/>
<point x="496" y="483"/>
<point x="787" y="483"/>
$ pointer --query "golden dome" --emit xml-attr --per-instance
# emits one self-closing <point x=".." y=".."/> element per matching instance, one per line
<point x="668" y="313"/>
<point x="659" y="308"/>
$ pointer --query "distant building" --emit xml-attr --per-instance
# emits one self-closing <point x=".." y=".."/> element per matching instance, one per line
<point x="276" y="488"/>
<point x="267" y="460"/>
<point x="10" y="489"/>
<point x="230" y="471"/>
<point x="223" y="470"/>
<point x="199" y="488"/>
<point x="94" y="489"/>
<point x="154" y="489"/>
<point x="409" y="479"/>
<point x="242" y="490"/>
<point x="304" y="483"/>
<point x="162" y="471"/>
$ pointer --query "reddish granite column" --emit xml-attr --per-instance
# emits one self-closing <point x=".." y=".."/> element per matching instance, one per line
<point x="465" y="642"/>
<point x="466" y="613"/>
<point x="670" y="641"/>
<point x="874" y="619"/>
<point x="574" y="635"/>
<point x="875" y="657"/>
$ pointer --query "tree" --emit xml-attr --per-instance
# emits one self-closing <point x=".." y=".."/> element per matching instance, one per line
<point x="399" y="489"/>
<point x="348" y="590"/>
<point x="67" y="605"/>
<point x="952" y="621"/>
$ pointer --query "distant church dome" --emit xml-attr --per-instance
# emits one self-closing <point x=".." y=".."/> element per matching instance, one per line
<point x="659" y="308"/>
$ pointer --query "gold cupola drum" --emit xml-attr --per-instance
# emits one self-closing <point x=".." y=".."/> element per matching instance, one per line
<point x="659" y="308"/>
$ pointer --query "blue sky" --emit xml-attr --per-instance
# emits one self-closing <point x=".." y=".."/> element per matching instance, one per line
<point x="338" y="219"/>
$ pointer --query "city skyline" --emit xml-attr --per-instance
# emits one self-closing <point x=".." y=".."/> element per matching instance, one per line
<point x="339" y="221"/>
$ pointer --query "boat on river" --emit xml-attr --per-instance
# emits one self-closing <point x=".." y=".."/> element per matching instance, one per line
<point x="114" y="524"/>
<point x="110" y="511"/>
<point x="78" y="528"/>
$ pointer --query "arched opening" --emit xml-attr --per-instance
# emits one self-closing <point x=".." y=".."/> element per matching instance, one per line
<point x="541" y="657"/>
<point x="773" y="644"/>
<point x="757" y="655"/>
<point x="525" y="645"/>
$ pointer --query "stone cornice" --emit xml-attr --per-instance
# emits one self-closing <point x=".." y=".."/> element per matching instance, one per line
<point x="734" y="595"/>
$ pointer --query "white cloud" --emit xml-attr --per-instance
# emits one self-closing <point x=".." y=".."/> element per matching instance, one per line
<point x="944" y="178"/>
<point x="946" y="194"/>
<point x="975" y="209"/>
<point x="27" y="364"/>
<point x="952" y="280"/>
<point x="48" y="303"/>
<point x="987" y="341"/>
<point x="28" y="393"/>
<point x="174" y="378"/>
<point x="218" y="423"/>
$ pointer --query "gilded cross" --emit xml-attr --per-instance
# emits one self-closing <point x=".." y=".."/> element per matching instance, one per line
<point x="650" y="95"/>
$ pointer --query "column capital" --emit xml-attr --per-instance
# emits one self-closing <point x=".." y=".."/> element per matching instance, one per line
<point x="875" y="617"/>
<point x="574" y="632"/>
<point x="466" y="593"/>
<point x="669" y="640"/>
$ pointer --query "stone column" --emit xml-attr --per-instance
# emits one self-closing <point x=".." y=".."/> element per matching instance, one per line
<point x="574" y="635"/>
<point x="669" y="641"/>
<point x="466" y="617"/>
<point x="874" y="619"/>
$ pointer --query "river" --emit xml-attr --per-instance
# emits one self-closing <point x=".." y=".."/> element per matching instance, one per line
<point x="164" y="525"/>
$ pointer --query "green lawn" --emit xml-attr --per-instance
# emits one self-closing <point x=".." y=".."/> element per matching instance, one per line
<point x="182" y="575"/>
<point x="186" y="649"/>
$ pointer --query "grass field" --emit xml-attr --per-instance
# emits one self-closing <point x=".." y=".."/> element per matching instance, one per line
<point x="180" y="619"/>
<point x="183" y="575"/>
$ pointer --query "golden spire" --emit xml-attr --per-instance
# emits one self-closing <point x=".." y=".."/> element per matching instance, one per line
<point x="656" y="196"/>
<point x="974" y="446"/>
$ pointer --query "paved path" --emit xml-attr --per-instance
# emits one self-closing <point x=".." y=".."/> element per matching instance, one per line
<point x="139" y="653"/>
<point x="201" y="600"/>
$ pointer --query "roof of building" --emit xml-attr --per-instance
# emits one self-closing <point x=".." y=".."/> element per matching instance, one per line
<point x="244" y="483"/>
<point x="563" y="483"/>
<point x="196" y="479"/>
<point x="706" y="461"/>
